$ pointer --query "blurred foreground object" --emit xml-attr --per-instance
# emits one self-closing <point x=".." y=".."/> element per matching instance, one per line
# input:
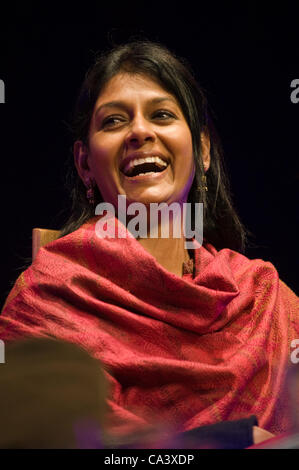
<point x="237" y="434"/>
<point x="49" y="390"/>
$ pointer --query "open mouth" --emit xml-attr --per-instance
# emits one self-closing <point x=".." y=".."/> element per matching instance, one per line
<point x="144" y="166"/>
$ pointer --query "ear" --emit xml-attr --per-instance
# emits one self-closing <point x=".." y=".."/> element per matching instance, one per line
<point x="205" y="147"/>
<point x="81" y="160"/>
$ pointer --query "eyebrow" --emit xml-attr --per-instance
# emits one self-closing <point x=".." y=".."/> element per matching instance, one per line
<point x="121" y="104"/>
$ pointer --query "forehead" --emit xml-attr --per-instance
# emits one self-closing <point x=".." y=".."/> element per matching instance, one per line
<point x="130" y="86"/>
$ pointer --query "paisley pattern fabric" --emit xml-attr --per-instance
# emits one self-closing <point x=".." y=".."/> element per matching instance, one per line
<point x="210" y="346"/>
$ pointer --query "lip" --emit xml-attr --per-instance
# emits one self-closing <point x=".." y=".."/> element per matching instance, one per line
<point x="143" y="154"/>
<point x="147" y="176"/>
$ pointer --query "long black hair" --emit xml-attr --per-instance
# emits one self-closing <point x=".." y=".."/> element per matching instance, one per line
<point x="222" y="226"/>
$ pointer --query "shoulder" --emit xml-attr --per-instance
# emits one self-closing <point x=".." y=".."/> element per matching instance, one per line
<point x="258" y="273"/>
<point x="241" y="264"/>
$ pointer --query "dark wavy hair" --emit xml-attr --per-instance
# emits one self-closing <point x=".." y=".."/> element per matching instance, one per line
<point x="222" y="226"/>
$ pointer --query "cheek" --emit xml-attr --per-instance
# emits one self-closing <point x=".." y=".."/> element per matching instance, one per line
<point x="184" y="143"/>
<point x="185" y="160"/>
<point x="103" y="154"/>
<point x="185" y="169"/>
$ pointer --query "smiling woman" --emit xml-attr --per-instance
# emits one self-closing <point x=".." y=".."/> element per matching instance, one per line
<point x="186" y="337"/>
<point x="141" y="97"/>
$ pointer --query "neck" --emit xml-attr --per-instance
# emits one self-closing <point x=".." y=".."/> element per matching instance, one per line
<point x="168" y="244"/>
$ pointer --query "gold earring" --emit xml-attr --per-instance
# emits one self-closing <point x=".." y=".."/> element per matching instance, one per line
<point x="204" y="184"/>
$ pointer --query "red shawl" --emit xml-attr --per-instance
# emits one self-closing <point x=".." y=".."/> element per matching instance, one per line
<point x="186" y="351"/>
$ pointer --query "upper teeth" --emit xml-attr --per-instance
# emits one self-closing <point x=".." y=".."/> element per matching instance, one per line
<point x="139" y="161"/>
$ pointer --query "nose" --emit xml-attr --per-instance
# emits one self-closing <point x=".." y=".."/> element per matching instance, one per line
<point x="139" y="132"/>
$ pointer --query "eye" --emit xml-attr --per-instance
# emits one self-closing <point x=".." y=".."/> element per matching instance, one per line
<point x="164" y="115"/>
<point x="112" y="121"/>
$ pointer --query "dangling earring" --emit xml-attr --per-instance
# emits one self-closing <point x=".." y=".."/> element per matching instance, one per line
<point x="204" y="184"/>
<point x="90" y="191"/>
<point x="204" y="181"/>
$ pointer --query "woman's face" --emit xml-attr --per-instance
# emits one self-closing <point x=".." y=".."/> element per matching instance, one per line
<point x="135" y="118"/>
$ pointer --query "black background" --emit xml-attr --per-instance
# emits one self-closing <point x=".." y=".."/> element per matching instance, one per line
<point x="244" y="54"/>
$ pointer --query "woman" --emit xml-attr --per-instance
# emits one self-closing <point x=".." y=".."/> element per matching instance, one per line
<point x="187" y="336"/>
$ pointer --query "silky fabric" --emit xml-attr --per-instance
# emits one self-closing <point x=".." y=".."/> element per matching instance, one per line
<point x="181" y="352"/>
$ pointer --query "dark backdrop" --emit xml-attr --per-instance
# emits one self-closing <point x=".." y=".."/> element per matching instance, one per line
<point x="244" y="55"/>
